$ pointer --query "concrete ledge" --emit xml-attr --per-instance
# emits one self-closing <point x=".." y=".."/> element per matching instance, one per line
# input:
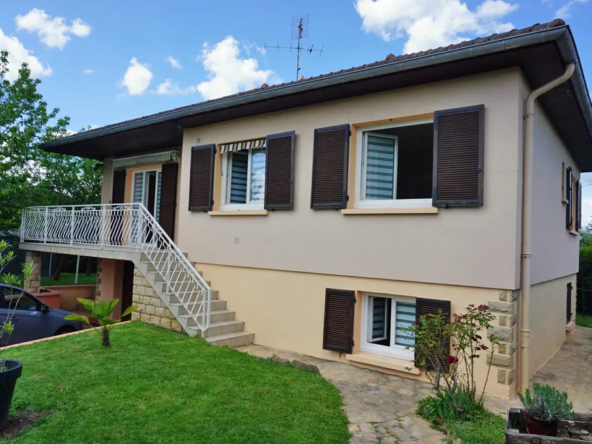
<point x="239" y="213"/>
<point x="399" y="365"/>
<point x="368" y="211"/>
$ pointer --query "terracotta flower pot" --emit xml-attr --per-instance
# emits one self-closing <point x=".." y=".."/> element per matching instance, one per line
<point x="537" y="426"/>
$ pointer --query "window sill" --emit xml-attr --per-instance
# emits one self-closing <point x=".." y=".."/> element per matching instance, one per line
<point x="239" y="213"/>
<point x="564" y="200"/>
<point x="367" y="211"/>
<point x="399" y="365"/>
<point x="574" y="233"/>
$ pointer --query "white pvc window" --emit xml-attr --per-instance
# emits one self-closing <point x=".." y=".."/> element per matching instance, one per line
<point x="385" y="320"/>
<point x="244" y="187"/>
<point x="141" y="190"/>
<point x="378" y="162"/>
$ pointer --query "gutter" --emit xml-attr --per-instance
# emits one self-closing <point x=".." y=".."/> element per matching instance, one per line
<point x="526" y="222"/>
<point x="562" y="34"/>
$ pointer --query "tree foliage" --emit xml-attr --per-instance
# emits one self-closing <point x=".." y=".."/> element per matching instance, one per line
<point x="29" y="175"/>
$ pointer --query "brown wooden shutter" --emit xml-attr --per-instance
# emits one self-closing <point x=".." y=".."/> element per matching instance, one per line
<point x="568" y="311"/>
<point x="425" y="307"/>
<point x="578" y="197"/>
<point x="118" y="191"/>
<point x="339" y="320"/>
<point x="330" y="167"/>
<point x="279" y="172"/>
<point x="458" y="157"/>
<point x="569" y="197"/>
<point x="168" y="198"/>
<point x="201" y="180"/>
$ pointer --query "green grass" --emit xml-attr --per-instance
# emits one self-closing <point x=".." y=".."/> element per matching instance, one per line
<point x="68" y="279"/>
<point x="157" y="386"/>
<point x="583" y="320"/>
<point x="487" y="428"/>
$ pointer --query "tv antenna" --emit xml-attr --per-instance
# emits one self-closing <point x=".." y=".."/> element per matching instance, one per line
<point x="299" y="32"/>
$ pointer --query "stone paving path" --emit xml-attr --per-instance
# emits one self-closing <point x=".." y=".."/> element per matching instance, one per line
<point x="380" y="407"/>
<point x="570" y="370"/>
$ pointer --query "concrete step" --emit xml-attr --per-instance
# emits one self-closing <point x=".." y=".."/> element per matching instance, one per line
<point x="216" y="317"/>
<point x="173" y="298"/>
<point x="216" y="306"/>
<point x="221" y="328"/>
<point x="237" y="339"/>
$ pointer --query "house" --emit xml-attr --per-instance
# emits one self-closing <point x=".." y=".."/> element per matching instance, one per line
<point x="325" y="215"/>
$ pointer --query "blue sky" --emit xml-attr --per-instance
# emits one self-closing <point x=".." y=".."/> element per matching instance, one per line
<point x="218" y="44"/>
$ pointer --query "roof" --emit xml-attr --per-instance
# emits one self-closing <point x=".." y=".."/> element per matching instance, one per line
<point x="548" y="46"/>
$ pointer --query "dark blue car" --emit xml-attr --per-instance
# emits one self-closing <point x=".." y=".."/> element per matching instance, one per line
<point x="32" y="318"/>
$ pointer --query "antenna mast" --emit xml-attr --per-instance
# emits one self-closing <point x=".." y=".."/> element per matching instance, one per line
<point x="299" y="32"/>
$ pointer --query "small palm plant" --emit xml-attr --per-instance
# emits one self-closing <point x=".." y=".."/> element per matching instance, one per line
<point x="102" y="310"/>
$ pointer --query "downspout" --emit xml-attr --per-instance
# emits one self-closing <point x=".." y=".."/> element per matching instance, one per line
<point x="526" y="221"/>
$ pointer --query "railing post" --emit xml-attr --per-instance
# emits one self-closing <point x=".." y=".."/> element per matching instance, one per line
<point x="72" y="227"/>
<point x="45" y="230"/>
<point x="23" y="221"/>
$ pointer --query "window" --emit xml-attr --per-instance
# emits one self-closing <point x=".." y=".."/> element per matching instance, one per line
<point x="563" y="196"/>
<point x="146" y="190"/>
<point x="15" y="299"/>
<point x="395" y="165"/>
<point x="245" y="179"/>
<point x="573" y="208"/>
<point x="385" y="320"/>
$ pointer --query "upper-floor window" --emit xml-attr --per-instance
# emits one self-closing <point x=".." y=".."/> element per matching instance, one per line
<point x="395" y="165"/>
<point x="245" y="178"/>
<point x="573" y="207"/>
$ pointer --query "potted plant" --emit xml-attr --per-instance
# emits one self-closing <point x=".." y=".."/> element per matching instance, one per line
<point x="543" y="407"/>
<point x="10" y="370"/>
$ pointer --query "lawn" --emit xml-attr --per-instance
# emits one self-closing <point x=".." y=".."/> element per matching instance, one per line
<point x="68" y="279"/>
<point x="154" y="385"/>
<point x="488" y="428"/>
<point x="584" y="320"/>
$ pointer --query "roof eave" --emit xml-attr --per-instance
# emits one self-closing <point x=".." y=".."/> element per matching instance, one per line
<point x="562" y="35"/>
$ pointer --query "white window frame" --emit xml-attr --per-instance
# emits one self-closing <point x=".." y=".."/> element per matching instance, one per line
<point x="394" y="350"/>
<point x="361" y="155"/>
<point x="227" y="168"/>
<point x="144" y="202"/>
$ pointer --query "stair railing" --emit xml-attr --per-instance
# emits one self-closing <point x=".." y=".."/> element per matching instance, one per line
<point x="127" y="226"/>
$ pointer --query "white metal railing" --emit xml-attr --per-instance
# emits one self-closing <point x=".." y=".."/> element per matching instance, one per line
<point x="123" y="226"/>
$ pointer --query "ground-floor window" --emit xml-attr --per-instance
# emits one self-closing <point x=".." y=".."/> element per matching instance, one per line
<point x="385" y="319"/>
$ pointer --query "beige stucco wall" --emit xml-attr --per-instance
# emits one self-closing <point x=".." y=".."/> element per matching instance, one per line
<point x="109" y="282"/>
<point x="106" y="190"/>
<point x="555" y="251"/>
<point x="548" y="319"/>
<point x="457" y="246"/>
<point x="286" y="309"/>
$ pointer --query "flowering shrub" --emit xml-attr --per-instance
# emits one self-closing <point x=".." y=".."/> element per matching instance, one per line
<point x="452" y="374"/>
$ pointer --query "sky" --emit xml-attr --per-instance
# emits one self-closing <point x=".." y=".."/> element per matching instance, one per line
<point x="106" y="61"/>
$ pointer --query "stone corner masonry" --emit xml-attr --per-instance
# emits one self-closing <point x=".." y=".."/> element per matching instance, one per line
<point x="503" y="358"/>
<point x="151" y="309"/>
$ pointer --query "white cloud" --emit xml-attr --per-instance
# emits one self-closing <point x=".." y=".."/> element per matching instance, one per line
<point x="137" y="78"/>
<point x="174" y="62"/>
<point x="88" y="71"/>
<point x="17" y="55"/>
<point x="564" y="11"/>
<point x="168" y="88"/>
<point x="54" y="32"/>
<point x="228" y="72"/>
<point x="430" y="24"/>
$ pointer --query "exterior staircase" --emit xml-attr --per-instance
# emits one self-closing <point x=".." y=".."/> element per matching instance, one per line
<point x="224" y="329"/>
<point x="129" y="232"/>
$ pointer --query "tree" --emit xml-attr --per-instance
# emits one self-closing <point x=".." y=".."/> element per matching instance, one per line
<point x="586" y="236"/>
<point x="29" y="175"/>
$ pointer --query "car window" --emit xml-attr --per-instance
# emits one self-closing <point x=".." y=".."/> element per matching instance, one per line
<point x="16" y="299"/>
